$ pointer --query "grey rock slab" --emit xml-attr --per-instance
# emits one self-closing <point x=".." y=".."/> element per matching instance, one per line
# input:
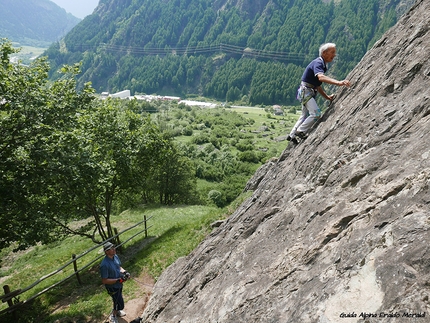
<point x="337" y="226"/>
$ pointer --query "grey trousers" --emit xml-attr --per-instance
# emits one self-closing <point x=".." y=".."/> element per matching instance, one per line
<point x="310" y="114"/>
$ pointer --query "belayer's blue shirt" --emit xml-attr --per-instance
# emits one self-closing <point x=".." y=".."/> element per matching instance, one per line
<point x="111" y="268"/>
<point x="317" y="66"/>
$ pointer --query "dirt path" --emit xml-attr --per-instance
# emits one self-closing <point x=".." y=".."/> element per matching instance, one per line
<point x="135" y="307"/>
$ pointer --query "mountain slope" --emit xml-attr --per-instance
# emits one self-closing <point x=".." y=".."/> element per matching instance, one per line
<point x="34" y="22"/>
<point x="222" y="49"/>
<point x="338" y="228"/>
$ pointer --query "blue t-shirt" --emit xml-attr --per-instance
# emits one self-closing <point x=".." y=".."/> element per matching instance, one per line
<point x="111" y="268"/>
<point x="315" y="67"/>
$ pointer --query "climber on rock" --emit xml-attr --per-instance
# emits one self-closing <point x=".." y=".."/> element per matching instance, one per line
<point x="310" y="85"/>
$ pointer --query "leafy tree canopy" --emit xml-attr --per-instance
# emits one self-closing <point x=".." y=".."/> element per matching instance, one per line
<point x="65" y="156"/>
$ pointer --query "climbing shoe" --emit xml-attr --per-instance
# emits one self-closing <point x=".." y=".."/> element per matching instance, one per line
<point x="301" y="135"/>
<point x="293" y="140"/>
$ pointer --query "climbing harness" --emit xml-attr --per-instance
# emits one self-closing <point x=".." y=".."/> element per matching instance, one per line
<point x="305" y="92"/>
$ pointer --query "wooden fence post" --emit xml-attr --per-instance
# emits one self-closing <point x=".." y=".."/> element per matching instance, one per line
<point x="7" y="291"/>
<point x="118" y="242"/>
<point x="75" y="266"/>
<point x="10" y="301"/>
<point x="146" y="227"/>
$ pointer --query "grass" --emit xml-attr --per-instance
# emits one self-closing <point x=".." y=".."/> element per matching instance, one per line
<point x="175" y="232"/>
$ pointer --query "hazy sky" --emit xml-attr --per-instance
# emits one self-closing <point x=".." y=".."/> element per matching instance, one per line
<point x="78" y="8"/>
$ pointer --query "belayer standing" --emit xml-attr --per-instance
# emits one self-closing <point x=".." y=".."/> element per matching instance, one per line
<point x="113" y="275"/>
<point x="312" y="79"/>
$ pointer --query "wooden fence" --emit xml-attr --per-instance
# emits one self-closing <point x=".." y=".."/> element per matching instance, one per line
<point x="10" y="296"/>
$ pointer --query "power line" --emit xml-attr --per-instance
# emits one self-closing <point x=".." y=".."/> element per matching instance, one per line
<point x="192" y="50"/>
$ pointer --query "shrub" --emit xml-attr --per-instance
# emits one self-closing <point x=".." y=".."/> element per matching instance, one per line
<point x="248" y="156"/>
<point x="216" y="197"/>
<point x="187" y="131"/>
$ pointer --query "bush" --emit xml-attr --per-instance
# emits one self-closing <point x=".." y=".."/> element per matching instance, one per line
<point x="292" y="110"/>
<point x="201" y="139"/>
<point x="187" y="131"/>
<point x="216" y="197"/>
<point x="244" y="145"/>
<point x="248" y="156"/>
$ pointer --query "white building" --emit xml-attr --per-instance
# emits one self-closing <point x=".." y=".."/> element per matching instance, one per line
<point x="122" y="95"/>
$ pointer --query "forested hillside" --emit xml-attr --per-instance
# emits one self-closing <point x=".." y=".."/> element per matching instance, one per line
<point x="34" y="22"/>
<point x="253" y="51"/>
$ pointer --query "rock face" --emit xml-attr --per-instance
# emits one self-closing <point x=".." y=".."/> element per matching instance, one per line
<point x="338" y="228"/>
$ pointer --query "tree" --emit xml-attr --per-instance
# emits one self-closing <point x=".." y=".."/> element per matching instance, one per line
<point x="174" y="177"/>
<point x="105" y="154"/>
<point x="66" y="156"/>
<point x="32" y="112"/>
